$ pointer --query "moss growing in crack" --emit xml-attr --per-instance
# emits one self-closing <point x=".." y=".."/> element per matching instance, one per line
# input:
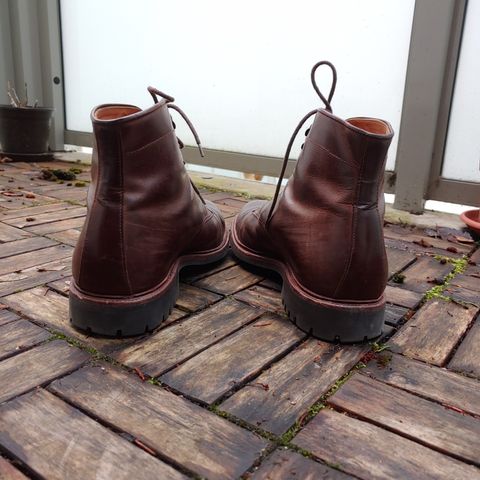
<point x="459" y="266"/>
<point x="378" y="347"/>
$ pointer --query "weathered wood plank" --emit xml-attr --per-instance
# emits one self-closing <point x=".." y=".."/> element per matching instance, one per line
<point x="48" y="308"/>
<point x="33" y="211"/>
<point x="394" y="313"/>
<point x="262" y="297"/>
<point x="53" y="227"/>
<point x="57" y="441"/>
<point x="422" y="420"/>
<point x="6" y="316"/>
<point x="192" y="298"/>
<point x="467" y="356"/>
<point x="25" y="245"/>
<point x="215" y="371"/>
<point x="423" y="274"/>
<point x="181" y="431"/>
<point x="40" y="218"/>
<point x="398" y="260"/>
<point x="288" y="465"/>
<point x="433" y="332"/>
<point x="32" y="259"/>
<point x="37" y="366"/>
<point x="34" y="276"/>
<point x="61" y="285"/>
<point x="74" y="194"/>
<point x="196" y="272"/>
<point x="9" y="472"/>
<point x="470" y="280"/>
<point x="404" y="298"/>
<point x="178" y="342"/>
<point x="70" y="237"/>
<point x="429" y="381"/>
<point x="229" y="281"/>
<point x="418" y="249"/>
<point x="369" y="452"/>
<point x="10" y="234"/>
<point x="18" y="336"/>
<point x="284" y="392"/>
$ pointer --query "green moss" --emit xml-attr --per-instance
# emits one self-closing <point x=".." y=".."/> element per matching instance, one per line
<point x="459" y="266"/>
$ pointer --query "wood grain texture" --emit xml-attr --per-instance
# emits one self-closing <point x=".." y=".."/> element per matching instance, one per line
<point x="433" y="332"/>
<point x="423" y="274"/>
<point x="9" y="472"/>
<point x="70" y="237"/>
<point x="18" y="336"/>
<point x="372" y="453"/>
<point x="37" y="366"/>
<point x="394" y="314"/>
<point x="40" y="218"/>
<point x="398" y="260"/>
<point x="284" y="392"/>
<point x="6" y="316"/>
<point x="193" y="273"/>
<point x="25" y="245"/>
<point x="10" y="234"/>
<point x="179" y="430"/>
<point x="467" y="356"/>
<point x="215" y="371"/>
<point x="262" y="297"/>
<point x="429" y="381"/>
<point x="32" y="211"/>
<point x="60" y="226"/>
<point x="177" y="343"/>
<point x="403" y="298"/>
<point x="426" y="422"/>
<point x="58" y="442"/>
<point x="192" y="298"/>
<point x="288" y="465"/>
<point x="229" y="281"/>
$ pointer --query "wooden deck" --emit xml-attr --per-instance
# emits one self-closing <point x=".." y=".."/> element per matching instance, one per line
<point x="228" y="387"/>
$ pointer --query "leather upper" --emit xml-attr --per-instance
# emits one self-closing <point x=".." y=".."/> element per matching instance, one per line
<point x="326" y="226"/>
<point x="143" y="213"/>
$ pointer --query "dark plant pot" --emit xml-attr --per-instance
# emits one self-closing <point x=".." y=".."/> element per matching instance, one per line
<point x="24" y="131"/>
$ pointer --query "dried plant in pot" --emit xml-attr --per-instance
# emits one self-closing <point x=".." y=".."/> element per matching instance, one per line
<point x="24" y="128"/>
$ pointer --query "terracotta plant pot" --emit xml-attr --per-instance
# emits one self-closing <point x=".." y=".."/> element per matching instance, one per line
<point x="24" y="131"/>
<point x="472" y="219"/>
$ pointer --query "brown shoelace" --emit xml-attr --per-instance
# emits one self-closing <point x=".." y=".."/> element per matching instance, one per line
<point x="328" y="107"/>
<point x="155" y="93"/>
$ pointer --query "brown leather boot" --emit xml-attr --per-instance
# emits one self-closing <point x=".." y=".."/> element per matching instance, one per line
<point x="324" y="234"/>
<point x="145" y="221"/>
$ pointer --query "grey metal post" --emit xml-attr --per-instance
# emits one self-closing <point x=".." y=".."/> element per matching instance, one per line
<point x="429" y="47"/>
<point x="6" y="59"/>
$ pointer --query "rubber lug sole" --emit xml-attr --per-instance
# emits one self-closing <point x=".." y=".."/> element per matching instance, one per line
<point x="329" y="321"/>
<point x="111" y="318"/>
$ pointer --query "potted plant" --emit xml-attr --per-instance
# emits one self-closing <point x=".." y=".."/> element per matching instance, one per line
<point x="472" y="219"/>
<point x="24" y="128"/>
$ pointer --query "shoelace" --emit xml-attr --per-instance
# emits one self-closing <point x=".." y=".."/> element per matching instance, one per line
<point x="328" y="107"/>
<point x="155" y="93"/>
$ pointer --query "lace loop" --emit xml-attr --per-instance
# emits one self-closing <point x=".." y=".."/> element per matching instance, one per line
<point x="328" y="107"/>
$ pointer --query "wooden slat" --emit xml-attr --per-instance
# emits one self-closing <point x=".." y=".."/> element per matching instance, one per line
<point x="372" y="453"/>
<point x="24" y="245"/>
<point x="394" y="313"/>
<point x="422" y="420"/>
<point x="228" y="281"/>
<point x="196" y="272"/>
<point x="423" y="274"/>
<point x="9" y="472"/>
<point x="193" y="298"/>
<point x="32" y="259"/>
<point x="180" y="431"/>
<point x="398" y="260"/>
<point x="183" y="340"/>
<point x="37" y="366"/>
<point x="61" y="285"/>
<point x="6" y="316"/>
<point x="33" y="276"/>
<point x="54" y="227"/>
<point x="470" y="281"/>
<point x="404" y="298"/>
<point x="284" y="392"/>
<point x="70" y="237"/>
<point x="48" y="308"/>
<point x="40" y="218"/>
<point x="418" y="249"/>
<point x="429" y="381"/>
<point x="262" y="297"/>
<point x="433" y="332"/>
<point x="215" y="371"/>
<point x="56" y="441"/>
<point x="18" y="336"/>
<point x="10" y="234"/>
<point x="475" y="258"/>
<point x="467" y="357"/>
<point x="33" y="211"/>
<point x="288" y="465"/>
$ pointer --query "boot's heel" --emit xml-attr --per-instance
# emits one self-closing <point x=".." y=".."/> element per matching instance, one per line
<point x="121" y="318"/>
<point x="332" y="321"/>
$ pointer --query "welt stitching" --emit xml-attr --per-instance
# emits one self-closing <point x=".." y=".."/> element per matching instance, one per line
<point x="354" y="221"/>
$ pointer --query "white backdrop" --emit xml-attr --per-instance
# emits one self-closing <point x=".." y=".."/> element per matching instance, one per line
<point x="239" y="69"/>
<point x="462" y="153"/>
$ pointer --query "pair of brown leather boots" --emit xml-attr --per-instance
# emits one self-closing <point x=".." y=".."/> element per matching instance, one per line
<point x="146" y="220"/>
